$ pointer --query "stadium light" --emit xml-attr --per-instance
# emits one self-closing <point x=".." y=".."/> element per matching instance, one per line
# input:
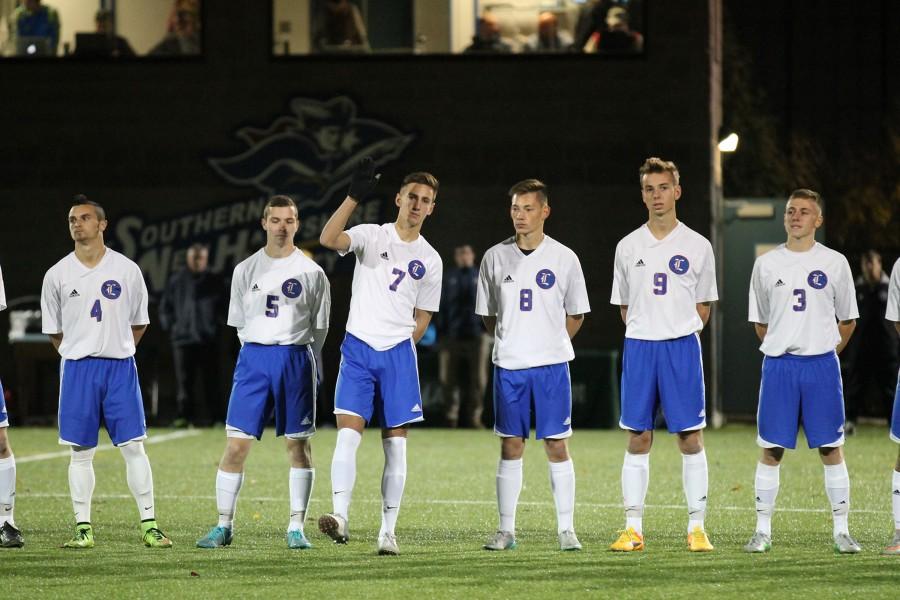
<point x="730" y="143"/>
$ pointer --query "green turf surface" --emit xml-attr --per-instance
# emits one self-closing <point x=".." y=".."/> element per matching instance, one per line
<point x="448" y="512"/>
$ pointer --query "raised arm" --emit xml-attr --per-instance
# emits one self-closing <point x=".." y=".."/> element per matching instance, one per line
<point x="362" y="184"/>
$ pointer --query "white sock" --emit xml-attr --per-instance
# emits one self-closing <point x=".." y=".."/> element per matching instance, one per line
<point x="228" y="486"/>
<point x="766" y="487"/>
<point x="562" y="482"/>
<point x="635" y="479"/>
<point x="300" y="484"/>
<point x="895" y="499"/>
<point x="695" y="479"/>
<point x="509" y="484"/>
<point x="343" y="470"/>
<point x="81" y="482"/>
<point x="392" y="481"/>
<point x="837" y="487"/>
<point x="7" y="489"/>
<point x="140" y="478"/>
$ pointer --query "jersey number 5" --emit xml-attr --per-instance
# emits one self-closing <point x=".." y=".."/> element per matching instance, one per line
<point x="96" y="311"/>
<point x="272" y="306"/>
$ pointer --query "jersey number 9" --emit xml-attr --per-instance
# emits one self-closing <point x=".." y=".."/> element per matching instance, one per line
<point x="660" y="284"/>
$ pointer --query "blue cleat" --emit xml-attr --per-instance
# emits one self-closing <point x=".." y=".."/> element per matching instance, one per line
<point x="218" y="537"/>
<point x="296" y="540"/>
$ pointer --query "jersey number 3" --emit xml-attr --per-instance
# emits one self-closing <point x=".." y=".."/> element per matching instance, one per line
<point x="96" y="311"/>
<point x="800" y="293"/>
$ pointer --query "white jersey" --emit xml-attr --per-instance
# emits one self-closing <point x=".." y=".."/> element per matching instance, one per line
<point x="662" y="281"/>
<point x="531" y="296"/>
<point x="893" y="304"/>
<point x="800" y="296"/>
<point x="391" y="279"/>
<point x="280" y="301"/>
<point x="2" y="293"/>
<point x="94" y="308"/>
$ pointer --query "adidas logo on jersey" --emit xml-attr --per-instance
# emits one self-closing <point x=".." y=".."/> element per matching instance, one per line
<point x="74" y="294"/>
<point x="255" y="288"/>
<point x="384" y="255"/>
<point x="508" y="279"/>
<point x="640" y="263"/>
<point x="779" y="283"/>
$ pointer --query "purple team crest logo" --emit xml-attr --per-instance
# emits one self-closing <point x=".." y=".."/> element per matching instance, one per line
<point x="817" y="280"/>
<point x="111" y="289"/>
<point x="291" y="288"/>
<point x="679" y="264"/>
<point x="545" y="279"/>
<point x="416" y="269"/>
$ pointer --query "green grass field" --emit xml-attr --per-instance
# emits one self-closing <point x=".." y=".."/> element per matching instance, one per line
<point x="448" y="512"/>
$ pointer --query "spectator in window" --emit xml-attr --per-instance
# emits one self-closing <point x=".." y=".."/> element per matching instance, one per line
<point x="618" y="38"/>
<point x="339" y="27"/>
<point x="192" y="311"/>
<point x="183" y="31"/>
<point x="608" y="19"/>
<point x="117" y="47"/>
<point x="548" y="37"/>
<point x="872" y="354"/>
<point x="487" y="37"/>
<point x="36" y="21"/>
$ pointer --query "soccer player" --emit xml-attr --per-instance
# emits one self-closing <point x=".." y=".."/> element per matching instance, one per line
<point x="396" y="288"/>
<point x="893" y="314"/>
<point x="94" y="308"/>
<point x="803" y="308"/>
<point x="280" y="303"/>
<point x="10" y="536"/>
<point x="664" y="283"/>
<point x="531" y="294"/>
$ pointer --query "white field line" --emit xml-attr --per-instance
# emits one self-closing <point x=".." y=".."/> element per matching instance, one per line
<point x="158" y="439"/>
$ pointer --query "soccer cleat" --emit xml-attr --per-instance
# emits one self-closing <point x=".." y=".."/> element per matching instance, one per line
<point x="218" y="537"/>
<point x="154" y="538"/>
<point x="844" y="544"/>
<point x="698" y="541"/>
<point x="568" y="541"/>
<point x="760" y="542"/>
<point x="10" y="537"/>
<point x="893" y="546"/>
<point x="387" y="545"/>
<point x="335" y="527"/>
<point x="628" y="541"/>
<point x="83" y="538"/>
<point x="296" y="540"/>
<point x="502" y="540"/>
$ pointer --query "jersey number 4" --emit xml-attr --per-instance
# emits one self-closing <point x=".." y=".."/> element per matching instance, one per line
<point x="97" y="311"/>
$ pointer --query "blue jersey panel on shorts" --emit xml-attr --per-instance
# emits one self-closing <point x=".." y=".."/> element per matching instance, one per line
<point x="379" y="383"/>
<point x="100" y="390"/>
<point x="801" y="389"/>
<point x="274" y="379"/>
<point x="3" y="415"/>
<point x="545" y="390"/>
<point x="667" y="373"/>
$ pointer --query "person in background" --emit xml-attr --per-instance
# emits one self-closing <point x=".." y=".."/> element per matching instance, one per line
<point x="31" y="19"/>
<point x="548" y="37"/>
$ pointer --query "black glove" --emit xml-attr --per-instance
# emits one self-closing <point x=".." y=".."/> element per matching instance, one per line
<point x="364" y="179"/>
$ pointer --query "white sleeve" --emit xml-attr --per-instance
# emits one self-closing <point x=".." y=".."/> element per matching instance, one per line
<point x="51" y="310"/>
<point x="360" y="238"/>
<point x="2" y="293"/>
<point x="845" y="294"/>
<point x="236" y="302"/>
<point x="758" y="305"/>
<point x="619" y="293"/>
<point x="707" y="290"/>
<point x="322" y="314"/>
<point x="893" y="303"/>
<point x="576" y="300"/>
<point x="485" y="302"/>
<point x="139" y="316"/>
<point x="429" y="296"/>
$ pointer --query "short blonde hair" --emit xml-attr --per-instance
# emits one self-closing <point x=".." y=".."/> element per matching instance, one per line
<point x="658" y="165"/>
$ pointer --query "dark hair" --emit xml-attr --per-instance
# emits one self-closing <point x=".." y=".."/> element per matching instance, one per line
<point x="81" y="200"/>
<point x="423" y="178"/>
<point x="809" y="195"/>
<point x="280" y="201"/>
<point x="658" y="165"/>
<point x="198" y="247"/>
<point x="528" y="186"/>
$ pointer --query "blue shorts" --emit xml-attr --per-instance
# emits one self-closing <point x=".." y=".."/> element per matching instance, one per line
<point x="800" y="389"/>
<point x="385" y="382"/>
<point x="100" y="390"/>
<point x="667" y="373"/>
<point x="895" y="416"/>
<point x="4" y="418"/>
<point x="279" y="379"/>
<point x="547" y="391"/>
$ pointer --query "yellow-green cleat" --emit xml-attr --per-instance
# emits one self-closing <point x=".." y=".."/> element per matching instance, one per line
<point x="153" y="537"/>
<point x="84" y="537"/>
